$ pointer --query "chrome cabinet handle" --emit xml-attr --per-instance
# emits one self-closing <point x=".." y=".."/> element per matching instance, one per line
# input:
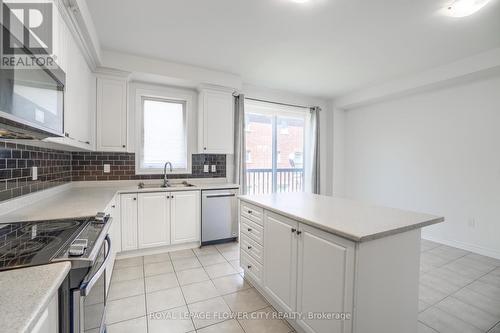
<point x="249" y="230"/>
<point x="249" y="266"/>
<point x="293" y="230"/>
<point x="249" y="247"/>
<point x="249" y="212"/>
<point x="299" y="232"/>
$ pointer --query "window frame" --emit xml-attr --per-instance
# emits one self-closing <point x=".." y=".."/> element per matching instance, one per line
<point x="275" y="111"/>
<point x="168" y="95"/>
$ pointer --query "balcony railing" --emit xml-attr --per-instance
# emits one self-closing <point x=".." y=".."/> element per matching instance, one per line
<point x="260" y="181"/>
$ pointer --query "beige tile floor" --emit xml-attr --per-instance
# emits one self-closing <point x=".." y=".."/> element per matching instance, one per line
<point x="459" y="292"/>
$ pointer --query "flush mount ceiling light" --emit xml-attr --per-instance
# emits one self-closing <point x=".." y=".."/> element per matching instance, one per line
<point x="463" y="8"/>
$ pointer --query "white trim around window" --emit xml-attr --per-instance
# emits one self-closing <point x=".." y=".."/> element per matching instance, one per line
<point x="188" y="98"/>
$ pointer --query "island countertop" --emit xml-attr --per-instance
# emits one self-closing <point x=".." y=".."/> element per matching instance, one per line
<point x="351" y="219"/>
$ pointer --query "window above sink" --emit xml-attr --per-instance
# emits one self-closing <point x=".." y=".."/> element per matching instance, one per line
<point x="164" y="129"/>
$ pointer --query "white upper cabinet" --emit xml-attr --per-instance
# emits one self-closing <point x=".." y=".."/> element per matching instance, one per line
<point x="111" y="114"/>
<point x="216" y="121"/>
<point x="280" y="259"/>
<point x="153" y="219"/>
<point x="185" y="217"/>
<point x="79" y="98"/>
<point x="79" y="89"/>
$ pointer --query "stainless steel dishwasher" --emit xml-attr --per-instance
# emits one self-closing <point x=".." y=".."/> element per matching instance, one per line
<point x="219" y="216"/>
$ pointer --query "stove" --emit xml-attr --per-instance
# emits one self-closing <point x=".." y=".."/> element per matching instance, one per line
<point x="33" y="243"/>
<point x="85" y="243"/>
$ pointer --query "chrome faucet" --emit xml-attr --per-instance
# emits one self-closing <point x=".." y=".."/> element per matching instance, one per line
<point x="165" y="180"/>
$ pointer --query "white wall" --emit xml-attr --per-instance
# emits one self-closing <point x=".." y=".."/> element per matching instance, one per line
<point x="435" y="152"/>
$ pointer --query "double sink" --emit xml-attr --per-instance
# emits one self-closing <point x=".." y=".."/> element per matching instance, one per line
<point x="163" y="185"/>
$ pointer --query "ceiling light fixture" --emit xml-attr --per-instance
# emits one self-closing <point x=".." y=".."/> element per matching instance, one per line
<point x="463" y="8"/>
<point x="300" y="1"/>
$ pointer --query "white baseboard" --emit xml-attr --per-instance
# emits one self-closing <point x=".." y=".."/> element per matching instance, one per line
<point x="156" y="250"/>
<point x="466" y="246"/>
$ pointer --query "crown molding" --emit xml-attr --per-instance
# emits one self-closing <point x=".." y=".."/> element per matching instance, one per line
<point x="77" y="18"/>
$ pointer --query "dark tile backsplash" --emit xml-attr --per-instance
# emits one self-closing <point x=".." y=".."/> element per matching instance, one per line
<point x="58" y="167"/>
<point x="16" y="160"/>
<point x="90" y="166"/>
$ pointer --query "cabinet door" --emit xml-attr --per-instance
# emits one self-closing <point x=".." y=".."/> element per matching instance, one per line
<point x="128" y="204"/>
<point x="111" y="114"/>
<point x="325" y="276"/>
<point x="153" y="219"/>
<point x="218" y="119"/>
<point x="115" y="235"/>
<point x="280" y="259"/>
<point x="185" y="216"/>
<point x="79" y="98"/>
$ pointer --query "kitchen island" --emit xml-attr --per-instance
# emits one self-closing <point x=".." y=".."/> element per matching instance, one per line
<point x="336" y="265"/>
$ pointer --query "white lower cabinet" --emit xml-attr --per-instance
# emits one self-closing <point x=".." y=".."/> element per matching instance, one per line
<point x="159" y="218"/>
<point x="128" y="207"/>
<point x="185" y="217"/>
<point x="280" y="264"/>
<point x="305" y="270"/>
<point x="153" y="216"/>
<point x="115" y="236"/>
<point x="325" y="279"/>
<point x="49" y="319"/>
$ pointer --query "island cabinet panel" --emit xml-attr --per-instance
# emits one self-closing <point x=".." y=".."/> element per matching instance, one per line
<point x="128" y="205"/>
<point x="325" y="279"/>
<point x="154" y="219"/>
<point x="334" y="257"/>
<point x="280" y="263"/>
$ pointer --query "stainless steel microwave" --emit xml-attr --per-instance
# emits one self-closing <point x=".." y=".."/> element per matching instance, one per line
<point x="31" y="101"/>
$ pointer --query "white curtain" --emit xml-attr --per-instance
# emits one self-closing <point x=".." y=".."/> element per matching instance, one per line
<point x="239" y="143"/>
<point x="313" y="168"/>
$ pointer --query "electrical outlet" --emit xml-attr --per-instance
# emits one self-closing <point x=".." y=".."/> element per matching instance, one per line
<point x="205" y="168"/>
<point x="214" y="168"/>
<point x="107" y="168"/>
<point x="34" y="173"/>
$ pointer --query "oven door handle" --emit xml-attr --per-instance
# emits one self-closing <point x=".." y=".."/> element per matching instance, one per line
<point x="87" y="285"/>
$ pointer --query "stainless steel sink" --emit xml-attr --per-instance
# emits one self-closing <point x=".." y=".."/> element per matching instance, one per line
<point x="183" y="184"/>
<point x="161" y="185"/>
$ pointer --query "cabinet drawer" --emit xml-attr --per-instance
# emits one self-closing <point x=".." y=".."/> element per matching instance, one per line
<point x="252" y="248"/>
<point x="252" y="230"/>
<point x="251" y="267"/>
<point x="252" y="212"/>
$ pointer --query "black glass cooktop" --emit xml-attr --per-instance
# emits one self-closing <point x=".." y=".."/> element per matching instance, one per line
<point x="34" y="243"/>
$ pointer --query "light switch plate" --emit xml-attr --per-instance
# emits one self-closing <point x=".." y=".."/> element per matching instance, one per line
<point x="34" y="173"/>
<point x="107" y="168"/>
<point x="214" y="168"/>
<point x="205" y="168"/>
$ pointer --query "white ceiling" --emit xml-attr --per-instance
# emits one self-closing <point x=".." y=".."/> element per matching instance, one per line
<point x="322" y="48"/>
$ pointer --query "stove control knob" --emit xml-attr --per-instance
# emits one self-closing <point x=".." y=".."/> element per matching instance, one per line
<point x="76" y="250"/>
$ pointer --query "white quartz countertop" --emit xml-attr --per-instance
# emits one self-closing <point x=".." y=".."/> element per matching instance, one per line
<point x="81" y="199"/>
<point x="347" y="218"/>
<point x="26" y="292"/>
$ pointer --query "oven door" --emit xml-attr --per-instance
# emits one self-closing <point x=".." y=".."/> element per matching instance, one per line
<point x="89" y="301"/>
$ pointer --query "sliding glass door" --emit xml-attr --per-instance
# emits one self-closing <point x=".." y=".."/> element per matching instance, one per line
<point x="274" y="147"/>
